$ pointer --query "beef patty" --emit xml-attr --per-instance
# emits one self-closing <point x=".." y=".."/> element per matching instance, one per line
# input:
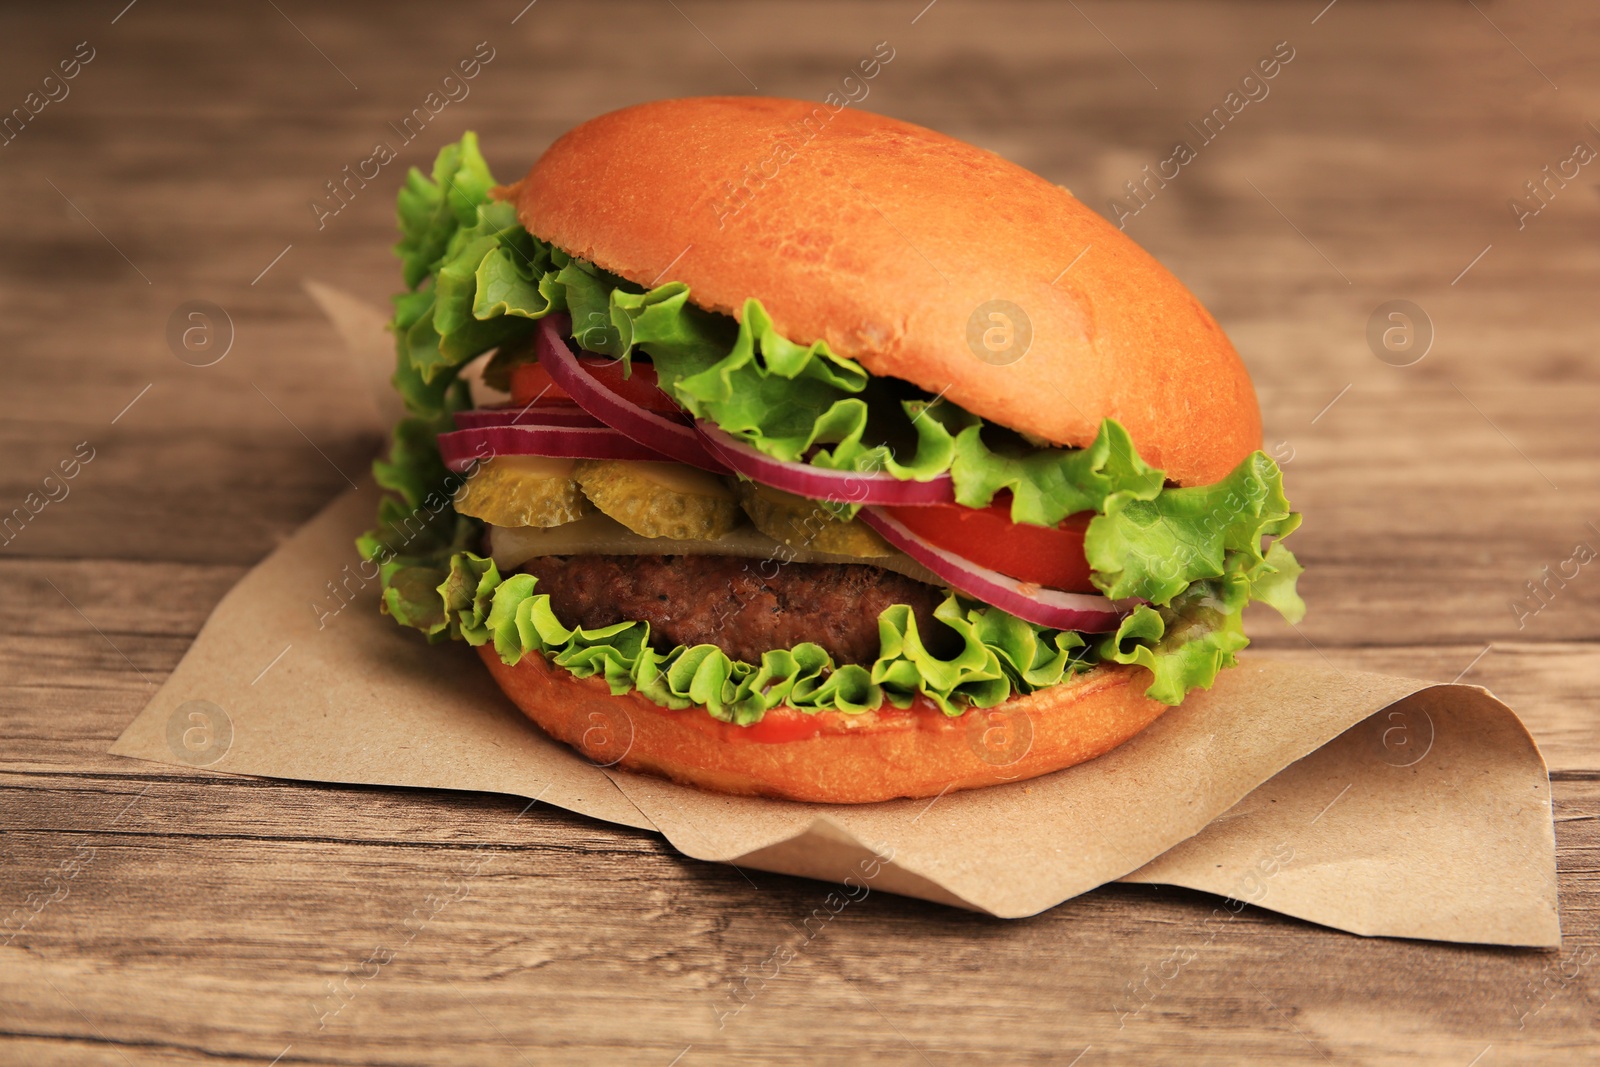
<point x="743" y="606"/>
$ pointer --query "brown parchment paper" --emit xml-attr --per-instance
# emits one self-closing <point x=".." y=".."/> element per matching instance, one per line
<point x="1377" y="805"/>
<point x="291" y="678"/>
<point x="1279" y="788"/>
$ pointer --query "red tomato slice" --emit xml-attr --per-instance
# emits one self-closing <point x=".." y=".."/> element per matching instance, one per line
<point x="640" y="387"/>
<point x="1045" y="555"/>
<point x="530" y="382"/>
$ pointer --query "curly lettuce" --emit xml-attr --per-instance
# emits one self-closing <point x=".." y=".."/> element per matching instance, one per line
<point x="477" y="281"/>
<point x="999" y="654"/>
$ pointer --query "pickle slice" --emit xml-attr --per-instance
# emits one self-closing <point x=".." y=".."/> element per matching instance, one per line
<point x="523" y="491"/>
<point x="659" y="499"/>
<point x="800" y="523"/>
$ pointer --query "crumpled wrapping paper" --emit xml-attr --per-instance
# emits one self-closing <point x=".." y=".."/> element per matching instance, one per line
<point x="1373" y="804"/>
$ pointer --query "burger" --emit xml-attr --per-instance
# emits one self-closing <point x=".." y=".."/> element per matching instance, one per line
<point x="790" y="450"/>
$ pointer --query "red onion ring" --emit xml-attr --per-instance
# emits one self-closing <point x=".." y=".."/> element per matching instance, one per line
<point x="819" y="483"/>
<point x="1083" y="612"/>
<point x="461" y="448"/>
<point x="668" y="437"/>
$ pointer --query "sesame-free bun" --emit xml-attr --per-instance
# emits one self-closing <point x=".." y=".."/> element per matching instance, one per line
<point x="886" y="239"/>
<point x="833" y="757"/>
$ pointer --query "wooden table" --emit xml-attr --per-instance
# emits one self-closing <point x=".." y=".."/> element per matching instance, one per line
<point x="207" y="919"/>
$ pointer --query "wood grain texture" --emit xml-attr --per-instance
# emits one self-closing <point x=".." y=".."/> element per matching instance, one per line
<point x="161" y="917"/>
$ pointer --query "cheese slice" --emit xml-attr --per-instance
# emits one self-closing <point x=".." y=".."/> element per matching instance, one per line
<point x="600" y="535"/>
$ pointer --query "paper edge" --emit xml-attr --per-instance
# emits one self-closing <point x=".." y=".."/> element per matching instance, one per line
<point x="1553" y="935"/>
<point x="843" y="856"/>
<point x="823" y="829"/>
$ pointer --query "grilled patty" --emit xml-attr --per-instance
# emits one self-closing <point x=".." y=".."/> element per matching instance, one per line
<point x="743" y="606"/>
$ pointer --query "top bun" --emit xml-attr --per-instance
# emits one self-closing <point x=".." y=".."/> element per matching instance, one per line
<point x="885" y="240"/>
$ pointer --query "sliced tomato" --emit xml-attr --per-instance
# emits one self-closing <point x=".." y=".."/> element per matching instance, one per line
<point x="531" y="382"/>
<point x="1045" y="555"/>
<point x="640" y="387"/>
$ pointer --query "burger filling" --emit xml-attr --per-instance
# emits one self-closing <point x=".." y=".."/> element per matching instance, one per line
<point x="673" y="500"/>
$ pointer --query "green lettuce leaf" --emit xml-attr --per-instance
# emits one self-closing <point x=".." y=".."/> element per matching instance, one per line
<point x="429" y="212"/>
<point x="1183" y="644"/>
<point x="1048" y="484"/>
<point x="1156" y="547"/>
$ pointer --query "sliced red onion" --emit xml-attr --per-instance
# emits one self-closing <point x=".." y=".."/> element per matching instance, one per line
<point x="461" y="448"/>
<point x="1084" y="612"/>
<point x="668" y="437"/>
<point x="557" y="413"/>
<point x="819" y="483"/>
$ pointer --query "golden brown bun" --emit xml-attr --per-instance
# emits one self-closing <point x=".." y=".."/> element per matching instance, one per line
<point x="883" y="238"/>
<point x="851" y="759"/>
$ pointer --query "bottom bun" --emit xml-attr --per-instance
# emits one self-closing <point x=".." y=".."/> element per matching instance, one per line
<point x="832" y="757"/>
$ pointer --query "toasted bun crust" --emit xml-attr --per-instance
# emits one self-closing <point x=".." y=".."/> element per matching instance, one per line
<point x="835" y="758"/>
<point x="885" y="239"/>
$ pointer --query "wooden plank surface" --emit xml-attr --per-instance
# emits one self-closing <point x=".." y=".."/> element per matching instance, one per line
<point x="198" y="918"/>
